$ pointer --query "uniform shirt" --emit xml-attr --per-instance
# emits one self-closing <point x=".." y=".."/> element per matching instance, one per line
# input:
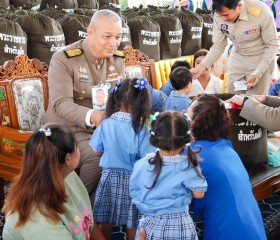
<point x="177" y="101"/>
<point x="116" y="139"/>
<point x="214" y="86"/>
<point x="265" y="114"/>
<point x="70" y="80"/>
<point x="275" y="88"/>
<point x="167" y="88"/>
<point x="254" y="33"/>
<point x="172" y="192"/>
<point x="75" y="224"/>
<point x="229" y="208"/>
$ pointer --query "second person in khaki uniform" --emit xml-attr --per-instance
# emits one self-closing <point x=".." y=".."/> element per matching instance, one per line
<point x="250" y="25"/>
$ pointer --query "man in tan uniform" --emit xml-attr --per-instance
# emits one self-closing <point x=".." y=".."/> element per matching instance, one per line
<point x="72" y="73"/>
<point x="250" y="25"/>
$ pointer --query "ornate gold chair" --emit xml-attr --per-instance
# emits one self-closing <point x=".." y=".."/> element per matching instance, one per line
<point x="23" y="101"/>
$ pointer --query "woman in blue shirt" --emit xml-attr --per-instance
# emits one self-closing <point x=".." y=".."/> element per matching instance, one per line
<point x="163" y="183"/>
<point x="122" y="139"/>
<point x="229" y="209"/>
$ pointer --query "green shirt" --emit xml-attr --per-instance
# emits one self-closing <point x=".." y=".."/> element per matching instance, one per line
<point x="75" y="224"/>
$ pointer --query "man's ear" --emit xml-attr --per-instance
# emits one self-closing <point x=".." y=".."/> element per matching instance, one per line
<point x="239" y="5"/>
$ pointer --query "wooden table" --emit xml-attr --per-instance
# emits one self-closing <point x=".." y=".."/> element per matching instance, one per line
<point x="265" y="180"/>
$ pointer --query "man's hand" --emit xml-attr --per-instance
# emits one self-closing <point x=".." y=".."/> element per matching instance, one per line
<point x="97" y="117"/>
<point x="251" y="81"/>
<point x="142" y="234"/>
<point x="197" y="71"/>
<point x="259" y="98"/>
<point x="237" y="99"/>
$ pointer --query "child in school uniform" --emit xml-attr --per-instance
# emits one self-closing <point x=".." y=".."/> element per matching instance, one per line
<point x="163" y="184"/>
<point x="122" y="139"/>
<point x="181" y="80"/>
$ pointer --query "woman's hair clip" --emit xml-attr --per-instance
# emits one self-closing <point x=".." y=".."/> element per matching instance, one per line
<point x="47" y="131"/>
<point x="117" y="84"/>
<point x="188" y="117"/>
<point x="157" y="149"/>
<point x="153" y="133"/>
<point x="141" y="83"/>
<point x="188" y="144"/>
<point x="189" y="132"/>
<point x="154" y="116"/>
<point x="221" y="102"/>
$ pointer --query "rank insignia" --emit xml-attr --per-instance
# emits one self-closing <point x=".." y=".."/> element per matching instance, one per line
<point x="119" y="53"/>
<point x="254" y="11"/>
<point x="83" y="75"/>
<point x="73" y="52"/>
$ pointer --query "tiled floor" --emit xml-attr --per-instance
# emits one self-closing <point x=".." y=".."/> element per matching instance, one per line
<point x="270" y="209"/>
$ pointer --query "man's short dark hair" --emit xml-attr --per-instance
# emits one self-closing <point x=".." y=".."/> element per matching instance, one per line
<point x="278" y="61"/>
<point x="218" y="4"/>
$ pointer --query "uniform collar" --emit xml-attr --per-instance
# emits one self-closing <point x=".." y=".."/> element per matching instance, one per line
<point x="244" y="14"/>
<point x="173" y="159"/>
<point x="87" y="52"/>
<point x="125" y="116"/>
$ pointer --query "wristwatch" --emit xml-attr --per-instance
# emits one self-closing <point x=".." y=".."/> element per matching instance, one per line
<point x="244" y="100"/>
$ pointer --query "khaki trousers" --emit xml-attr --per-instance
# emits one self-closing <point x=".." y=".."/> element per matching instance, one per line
<point x="90" y="172"/>
<point x="241" y="67"/>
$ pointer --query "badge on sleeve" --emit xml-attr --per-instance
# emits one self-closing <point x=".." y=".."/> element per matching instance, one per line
<point x="224" y="28"/>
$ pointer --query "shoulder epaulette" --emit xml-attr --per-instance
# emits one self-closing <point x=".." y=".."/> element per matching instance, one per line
<point x="119" y="53"/>
<point x="254" y="11"/>
<point x="73" y="52"/>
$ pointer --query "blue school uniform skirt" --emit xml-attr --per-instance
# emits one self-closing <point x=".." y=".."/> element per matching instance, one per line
<point x="112" y="201"/>
<point x="170" y="226"/>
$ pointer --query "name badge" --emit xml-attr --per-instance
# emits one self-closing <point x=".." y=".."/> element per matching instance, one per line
<point x="100" y="97"/>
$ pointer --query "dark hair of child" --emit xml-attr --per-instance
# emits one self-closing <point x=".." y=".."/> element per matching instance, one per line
<point x="170" y="131"/>
<point x="180" y="77"/>
<point x="181" y="63"/>
<point x="40" y="183"/>
<point x="130" y="99"/>
<point x="210" y="119"/>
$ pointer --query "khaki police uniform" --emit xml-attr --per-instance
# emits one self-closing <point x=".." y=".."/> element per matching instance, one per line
<point x="254" y="46"/>
<point x="266" y="114"/>
<point x="72" y="73"/>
